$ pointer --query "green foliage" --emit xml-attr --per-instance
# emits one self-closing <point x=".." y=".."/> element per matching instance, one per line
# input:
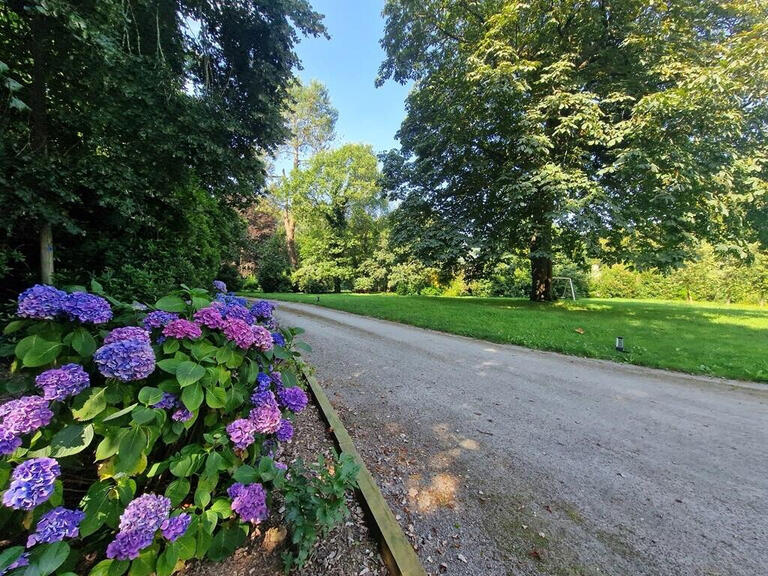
<point x="315" y="502"/>
<point x="273" y="265"/>
<point x="113" y="444"/>
<point x="136" y="135"/>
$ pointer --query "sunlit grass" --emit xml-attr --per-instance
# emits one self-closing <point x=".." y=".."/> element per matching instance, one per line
<point x="704" y="338"/>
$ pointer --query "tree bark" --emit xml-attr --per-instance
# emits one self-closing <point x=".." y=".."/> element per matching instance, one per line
<point x="289" y="223"/>
<point x="541" y="262"/>
<point x="38" y="132"/>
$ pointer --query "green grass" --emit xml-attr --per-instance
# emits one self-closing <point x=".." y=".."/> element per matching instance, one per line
<point x="719" y="340"/>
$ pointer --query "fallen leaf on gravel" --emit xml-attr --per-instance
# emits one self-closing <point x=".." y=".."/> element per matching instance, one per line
<point x="462" y="558"/>
<point x="535" y="554"/>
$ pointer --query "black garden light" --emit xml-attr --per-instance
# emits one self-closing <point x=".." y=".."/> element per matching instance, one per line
<point x="619" y="343"/>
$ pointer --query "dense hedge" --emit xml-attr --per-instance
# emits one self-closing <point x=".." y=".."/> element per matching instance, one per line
<point x="138" y="438"/>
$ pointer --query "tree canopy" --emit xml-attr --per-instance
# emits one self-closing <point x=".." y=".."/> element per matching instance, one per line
<point x="134" y="130"/>
<point x="624" y="129"/>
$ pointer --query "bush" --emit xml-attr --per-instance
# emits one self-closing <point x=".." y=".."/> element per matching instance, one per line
<point x="182" y="408"/>
<point x="274" y="267"/>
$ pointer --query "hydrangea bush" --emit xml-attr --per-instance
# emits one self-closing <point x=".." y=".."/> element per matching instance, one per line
<point x="133" y="439"/>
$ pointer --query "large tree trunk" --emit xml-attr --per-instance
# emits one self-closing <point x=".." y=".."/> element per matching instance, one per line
<point x="289" y="223"/>
<point x="541" y="262"/>
<point x="38" y="133"/>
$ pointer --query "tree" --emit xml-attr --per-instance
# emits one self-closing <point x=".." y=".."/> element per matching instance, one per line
<point x="338" y="202"/>
<point x="311" y="121"/>
<point x="623" y="127"/>
<point x="149" y="123"/>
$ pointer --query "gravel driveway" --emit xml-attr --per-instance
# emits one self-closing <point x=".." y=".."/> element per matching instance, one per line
<point x="503" y="460"/>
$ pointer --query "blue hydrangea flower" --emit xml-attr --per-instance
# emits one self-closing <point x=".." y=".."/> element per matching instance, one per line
<point x="25" y="414"/>
<point x="158" y="319"/>
<point x="249" y="501"/>
<point x="293" y="398"/>
<point x="175" y="527"/>
<point x="55" y="525"/>
<point x="278" y="339"/>
<point x="220" y="287"/>
<point x="139" y="523"/>
<point x="32" y="483"/>
<point x="20" y="562"/>
<point x="41" y="301"/>
<point x="125" y="360"/>
<point x="182" y="415"/>
<point x="167" y="402"/>
<point x="285" y="432"/>
<point x="232" y="299"/>
<point x="87" y="308"/>
<point x="262" y="310"/>
<point x="128" y="333"/>
<point x="61" y="383"/>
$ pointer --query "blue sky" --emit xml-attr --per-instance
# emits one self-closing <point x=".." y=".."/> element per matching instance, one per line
<point x="347" y="65"/>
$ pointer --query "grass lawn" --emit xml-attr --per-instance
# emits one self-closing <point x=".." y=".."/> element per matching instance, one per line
<point x="720" y="340"/>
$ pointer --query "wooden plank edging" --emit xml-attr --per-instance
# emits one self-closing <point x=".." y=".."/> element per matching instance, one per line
<point x="396" y="551"/>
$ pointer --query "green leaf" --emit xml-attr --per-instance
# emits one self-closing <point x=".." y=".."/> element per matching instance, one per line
<point x="110" y="568"/>
<point x="216" y="397"/>
<point x="185" y="546"/>
<point x="70" y="440"/>
<point x="150" y="396"/>
<point x="120" y="413"/>
<point x="46" y="558"/>
<point x="192" y="396"/>
<point x="246" y="474"/>
<point x="188" y="373"/>
<point x="83" y="342"/>
<point x="130" y="449"/>
<point x="177" y="491"/>
<point x="97" y="507"/>
<point x="200" y="302"/>
<point x="9" y="556"/>
<point x="89" y="403"/>
<point x="166" y="561"/>
<point x="144" y="565"/>
<point x="14" y="326"/>
<point x="223" y="355"/>
<point x="35" y="351"/>
<point x="171" y="304"/>
<point x="226" y="541"/>
<point x="171" y="346"/>
<point x="169" y="365"/>
<point x="108" y="445"/>
<point x="143" y="415"/>
<point x="185" y="465"/>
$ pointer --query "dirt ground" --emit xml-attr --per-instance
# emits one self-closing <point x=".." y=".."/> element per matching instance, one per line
<point x="349" y="549"/>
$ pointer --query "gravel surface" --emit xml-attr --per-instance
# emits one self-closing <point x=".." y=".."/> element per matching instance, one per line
<point x="349" y="549"/>
<point x="502" y="460"/>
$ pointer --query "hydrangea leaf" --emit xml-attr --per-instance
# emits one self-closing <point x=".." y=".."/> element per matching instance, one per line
<point x="46" y="558"/>
<point x="83" y="343"/>
<point x="171" y="304"/>
<point x="188" y="373"/>
<point x="89" y="404"/>
<point x="192" y="396"/>
<point x="71" y="440"/>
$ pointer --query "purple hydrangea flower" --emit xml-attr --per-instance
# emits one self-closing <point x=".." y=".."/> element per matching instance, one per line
<point x="128" y="333"/>
<point x="20" y="562"/>
<point x="167" y="402"/>
<point x="278" y="339"/>
<point x="175" y="527"/>
<point x="40" y="301"/>
<point x="181" y="329"/>
<point x="266" y="414"/>
<point x="277" y="378"/>
<point x="9" y="442"/>
<point x="209" y="317"/>
<point x="262" y="310"/>
<point x="249" y="501"/>
<point x="293" y="398"/>
<point x="55" y="525"/>
<point x="182" y="415"/>
<point x="239" y="331"/>
<point x="139" y="522"/>
<point x="241" y="433"/>
<point x="158" y="319"/>
<point x="262" y="339"/>
<point x="219" y="286"/>
<point x="125" y="360"/>
<point x="31" y="483"/>
<point x="87" y="308"/>
<point x="61" y="383"/>
<point x="25" y="414"/>
<point x="285" y="432"/>
<point x="281" y="465"/>
<point x="262" y="396"/>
